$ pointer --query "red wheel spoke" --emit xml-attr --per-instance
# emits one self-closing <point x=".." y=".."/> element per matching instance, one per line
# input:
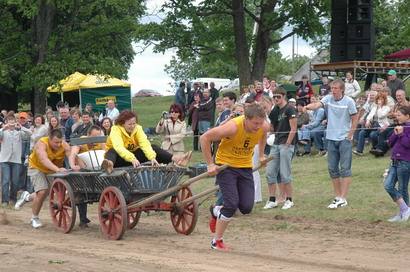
<point x="188" y="212"/>
<point x="60" y="217"/>
<point x="109" y="226"/>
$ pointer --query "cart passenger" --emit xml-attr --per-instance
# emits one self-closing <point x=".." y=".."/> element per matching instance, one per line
<point x="47" y="158"/>
<point x="77" y="163"/>
<point x="238" y="138"/>
<point x="127" y="145"/>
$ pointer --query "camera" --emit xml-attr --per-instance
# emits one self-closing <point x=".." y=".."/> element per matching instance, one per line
<point x="236" y="114"/>
<point x="165" y="115"/>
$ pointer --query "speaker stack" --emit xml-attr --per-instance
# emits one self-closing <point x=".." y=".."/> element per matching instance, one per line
<point x="352" y="30"/>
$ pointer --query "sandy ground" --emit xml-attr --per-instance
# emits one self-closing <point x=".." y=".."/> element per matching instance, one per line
<point x="258" y="244"/>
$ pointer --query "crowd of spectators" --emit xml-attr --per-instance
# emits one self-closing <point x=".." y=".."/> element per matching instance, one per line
<point x="19" y="132"/>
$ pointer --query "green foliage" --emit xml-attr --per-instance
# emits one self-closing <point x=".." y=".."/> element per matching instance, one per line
<point x="202" y="33"/>
<point x="277" y="65"/>
<point x="392" y="26"/>
<point x="88" y="36"/>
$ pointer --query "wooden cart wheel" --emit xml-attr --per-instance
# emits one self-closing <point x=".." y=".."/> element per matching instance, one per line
<point x="184" y="220"/>
<point x="112" y="212"/>
<point x="133" y="219"/>
<point x="62" y="206"/>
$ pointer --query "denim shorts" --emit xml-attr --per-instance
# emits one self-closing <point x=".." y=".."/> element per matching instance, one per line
<point x="339" y="158"/>
<point x="281" y="164"/>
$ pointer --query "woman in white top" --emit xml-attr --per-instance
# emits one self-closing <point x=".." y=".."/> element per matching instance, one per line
<point x="39" y="130"/>
<point x="352" y="87"/>
<point x="379" y="113"/>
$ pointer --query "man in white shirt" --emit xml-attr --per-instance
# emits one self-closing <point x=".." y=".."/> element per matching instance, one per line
<point x="111" y="112"/>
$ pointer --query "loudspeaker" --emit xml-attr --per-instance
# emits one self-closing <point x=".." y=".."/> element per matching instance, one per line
<point x="359" y="32"/>
<point x="338" y="52"/>
<point x="352" y="30"/>
<point x="359" y="51"/>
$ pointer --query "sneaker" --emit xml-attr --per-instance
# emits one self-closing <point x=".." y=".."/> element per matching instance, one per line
<point x="288" y="204"/>
<point x="219" y="245"/>
<point x="357" y="153"/>
<point x="322" y="153"/>
<point x="36" y="223"/>
<point x="337" y="203"/>
<point x="405" y="216"/>
<point x="303" y="142"/>
<point x="24" y="197"/>
<point x="107" y="166"/>
<point x="396" y="218"/>
<point x="270" y="205"/>
<point x="212" y="220"/>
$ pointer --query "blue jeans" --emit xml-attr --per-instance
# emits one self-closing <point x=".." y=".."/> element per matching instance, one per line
<point x="399" y="172"/>
<point x="10" y="172"/>
<point x="279" y="168"/>
<point x="382" y="139"/>
<point x="319" y="137"/>
<point x="339" y="158"/>
<point x="363" y="134"/>
<point x="203" y="126"/>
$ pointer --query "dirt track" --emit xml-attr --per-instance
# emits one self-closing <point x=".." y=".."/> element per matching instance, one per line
<point x="154" y="246"/>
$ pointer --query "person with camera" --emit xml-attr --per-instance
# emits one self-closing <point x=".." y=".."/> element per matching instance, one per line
<point x="173" y="126"/>
<point x="12" y="136"/>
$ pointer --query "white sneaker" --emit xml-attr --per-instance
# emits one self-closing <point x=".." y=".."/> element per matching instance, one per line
<point x="288" y="204"/>
<point x="405" y="216"/>
<point x="270" y="205"/>
<point x="337" y="203"/>
<point x="24" y="197"/>
<point x="36" y="223"/>
<point x="396" y="218"/>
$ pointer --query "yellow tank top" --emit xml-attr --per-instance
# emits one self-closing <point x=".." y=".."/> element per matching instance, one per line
<point x="237" y="151"/>
<point x="56" y="157"/>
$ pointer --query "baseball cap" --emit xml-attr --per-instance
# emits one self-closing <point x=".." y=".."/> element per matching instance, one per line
<point x="23" y="115"/>
<point x="391" y="72"/>
<point x="293" y="100"/>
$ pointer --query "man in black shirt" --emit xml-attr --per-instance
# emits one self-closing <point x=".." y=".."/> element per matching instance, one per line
<point x="284" y="123"/>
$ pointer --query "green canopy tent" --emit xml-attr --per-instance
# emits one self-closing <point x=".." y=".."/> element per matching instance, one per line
<point x="78" y="89"/>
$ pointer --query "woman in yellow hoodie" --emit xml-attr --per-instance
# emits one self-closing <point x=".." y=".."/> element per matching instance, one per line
<point x="127" y="145"/>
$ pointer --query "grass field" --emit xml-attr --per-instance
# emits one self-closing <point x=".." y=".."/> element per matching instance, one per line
<point x="368" y="201"/>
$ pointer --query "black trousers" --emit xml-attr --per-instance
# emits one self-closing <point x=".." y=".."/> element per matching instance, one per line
<point x="162" y="156"/>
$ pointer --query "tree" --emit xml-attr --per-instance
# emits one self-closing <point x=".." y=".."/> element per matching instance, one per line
<point x="60" y="37"/>
<point x="222" y="29"/>
<point x="392" y="26"/>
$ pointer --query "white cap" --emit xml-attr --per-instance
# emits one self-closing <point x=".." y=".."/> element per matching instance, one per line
<point x="292" y="100"/>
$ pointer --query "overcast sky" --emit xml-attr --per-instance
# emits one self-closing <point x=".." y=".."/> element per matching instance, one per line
<point x="147" y="69"/>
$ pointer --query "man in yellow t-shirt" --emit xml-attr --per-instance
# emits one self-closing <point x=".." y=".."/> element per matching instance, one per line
<point x="238" y="138"/>
<point x="47" y="158"/>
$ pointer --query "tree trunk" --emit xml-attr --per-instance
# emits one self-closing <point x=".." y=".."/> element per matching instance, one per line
<point x="263" y="42"/>
<point x="241" y="44"/>
<point x="42" y="25"/>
